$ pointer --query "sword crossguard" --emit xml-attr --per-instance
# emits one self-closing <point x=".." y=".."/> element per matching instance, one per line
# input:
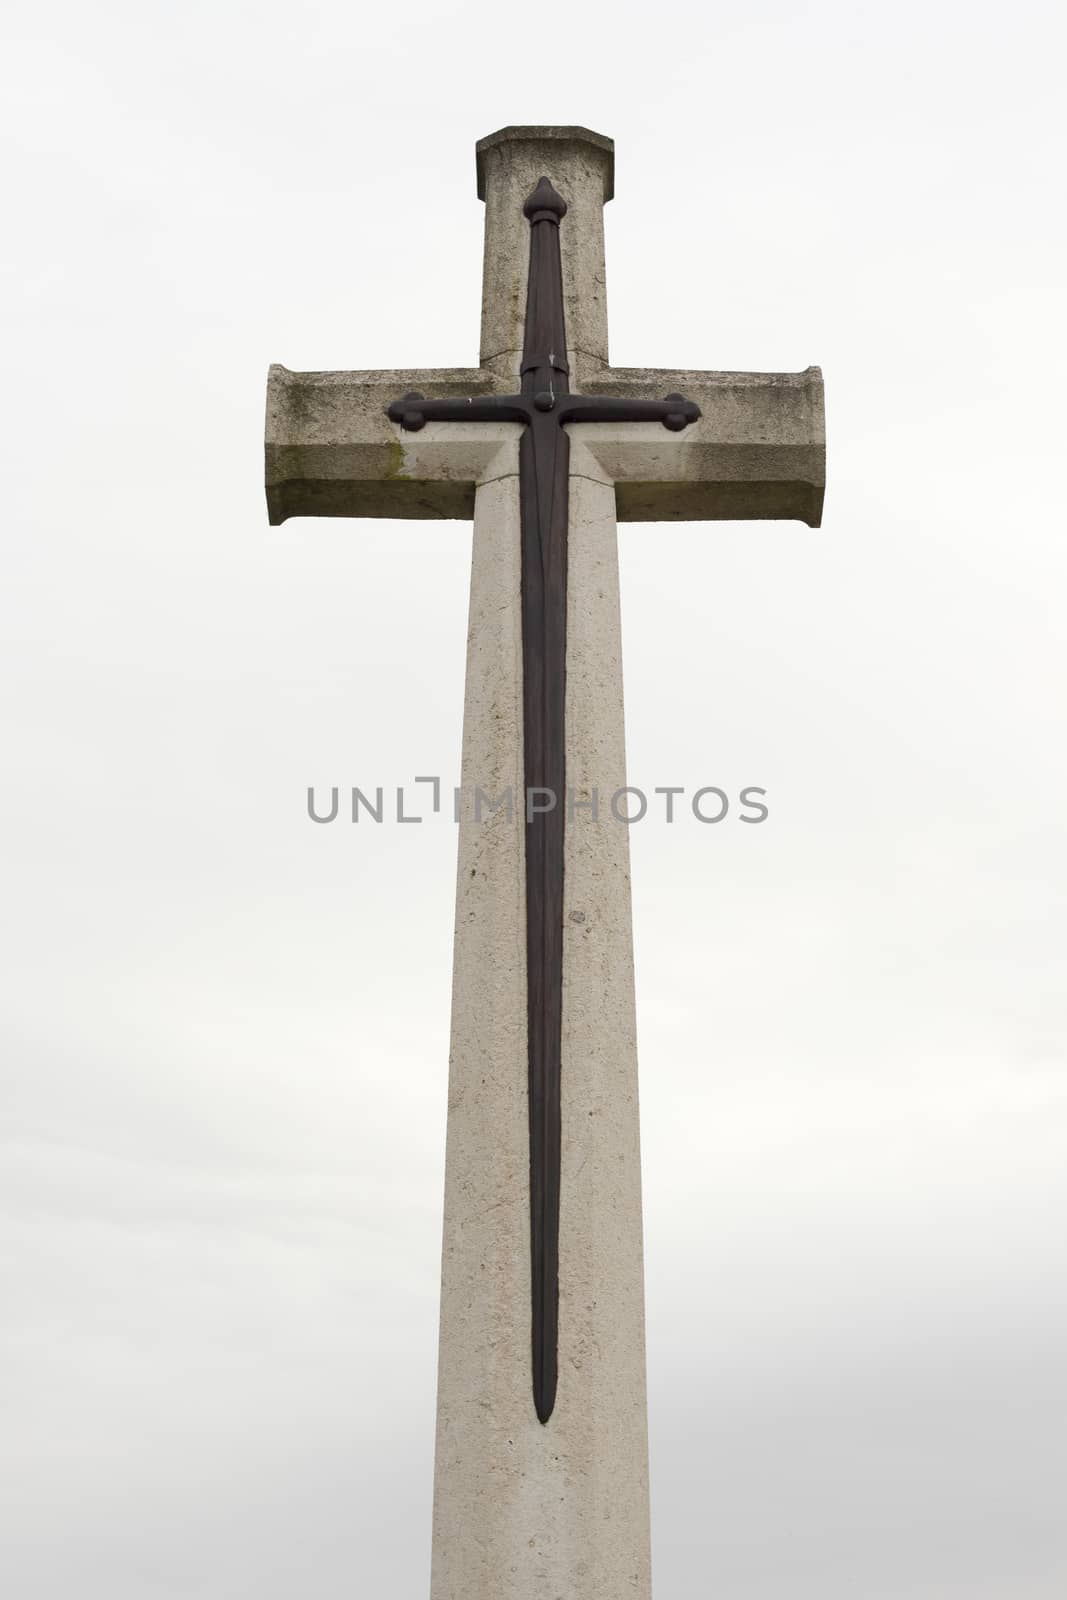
<point x="414" y="411"/>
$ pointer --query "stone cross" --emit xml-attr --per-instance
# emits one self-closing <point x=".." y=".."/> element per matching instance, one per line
<point x="541" y="1484"/>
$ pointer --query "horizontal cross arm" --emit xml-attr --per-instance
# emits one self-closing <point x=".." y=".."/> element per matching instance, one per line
<point x="758" y="449"/>
<point x="331" y="450"/>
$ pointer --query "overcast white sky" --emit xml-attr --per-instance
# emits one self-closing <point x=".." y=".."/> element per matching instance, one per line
<point x="224" y="1030"/>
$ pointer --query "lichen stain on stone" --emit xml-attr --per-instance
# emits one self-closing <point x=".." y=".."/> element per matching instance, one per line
<point x="395" y="465"/>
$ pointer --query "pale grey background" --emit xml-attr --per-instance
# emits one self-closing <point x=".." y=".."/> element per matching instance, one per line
<point x="224" y="1029"/>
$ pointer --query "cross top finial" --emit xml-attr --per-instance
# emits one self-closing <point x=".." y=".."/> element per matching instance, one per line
<point x="544" y="204"/>
<point x="596" y="150"/>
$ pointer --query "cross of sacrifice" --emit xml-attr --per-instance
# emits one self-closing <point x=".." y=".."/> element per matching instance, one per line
<point x="541" y="1477"/>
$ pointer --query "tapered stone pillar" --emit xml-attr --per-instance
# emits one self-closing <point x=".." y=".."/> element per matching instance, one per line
<point x="525" y="1511"/>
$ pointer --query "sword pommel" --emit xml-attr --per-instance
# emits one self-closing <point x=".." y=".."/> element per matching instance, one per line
<point x="544" y="204"/>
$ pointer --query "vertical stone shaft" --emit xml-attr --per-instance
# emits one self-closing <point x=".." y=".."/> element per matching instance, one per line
<point x="581" y="166"/>
<point x="524" y="1511"/>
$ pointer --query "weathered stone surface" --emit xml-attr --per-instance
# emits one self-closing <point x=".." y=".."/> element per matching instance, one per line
<point x="331" y="451"/>
<point x="581" y="165"/>
<point x="554" y="138"/>
<point x="757" y="451"/>
<point x="521" y="1511"/>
